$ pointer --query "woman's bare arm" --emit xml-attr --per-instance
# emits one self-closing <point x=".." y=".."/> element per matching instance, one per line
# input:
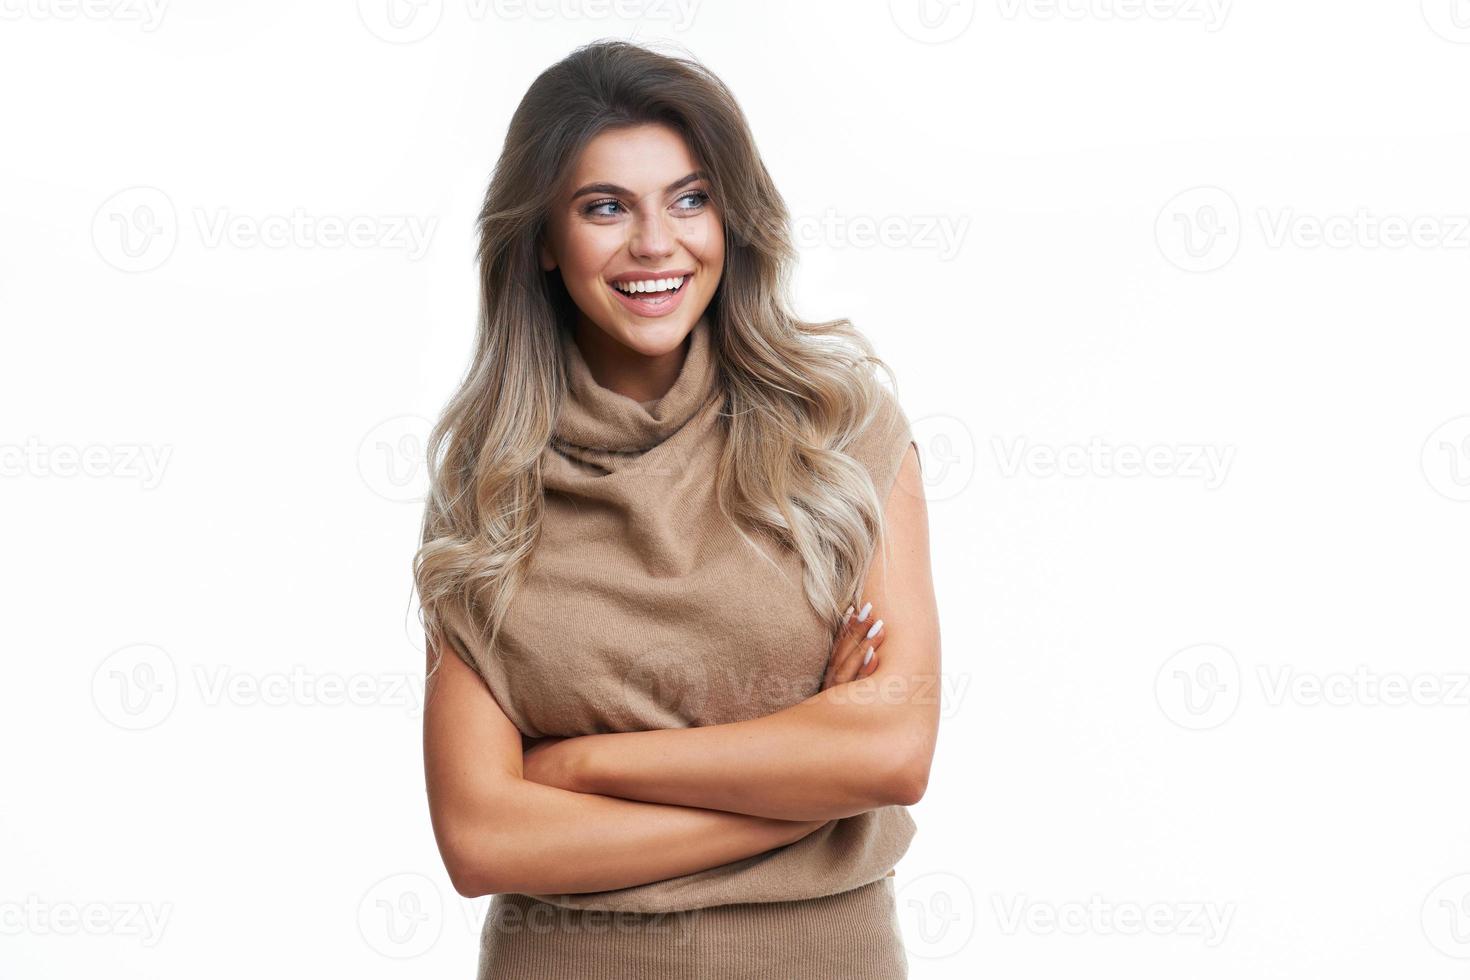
<point x="498" y="832"/>
<point x="847" y="749"/>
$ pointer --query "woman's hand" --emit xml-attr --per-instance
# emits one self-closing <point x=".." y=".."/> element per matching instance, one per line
<point x="861" y="632"/>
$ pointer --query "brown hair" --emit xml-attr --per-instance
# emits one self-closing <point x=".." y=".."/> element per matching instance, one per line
<point x="795" y="392"/>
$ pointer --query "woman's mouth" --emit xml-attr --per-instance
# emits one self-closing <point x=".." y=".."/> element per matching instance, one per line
<point x="651" y="297"/>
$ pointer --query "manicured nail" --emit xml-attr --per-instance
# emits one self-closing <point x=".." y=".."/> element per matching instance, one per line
<point x="846" y="616"/>
<point x="874" y="631"/>
<point x="867" y="656"/>
<point x="864" y="614"/>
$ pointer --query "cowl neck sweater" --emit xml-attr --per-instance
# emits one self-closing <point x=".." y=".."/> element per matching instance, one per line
<point x="642" y="608"/>
<point x="597" y="422"/>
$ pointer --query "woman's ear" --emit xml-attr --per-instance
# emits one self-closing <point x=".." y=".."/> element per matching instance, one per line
<point x="548" y="261"/>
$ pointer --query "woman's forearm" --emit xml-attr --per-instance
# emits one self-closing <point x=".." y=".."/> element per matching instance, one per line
<point x="838" y="753"/>
<point x="545" y="840"/>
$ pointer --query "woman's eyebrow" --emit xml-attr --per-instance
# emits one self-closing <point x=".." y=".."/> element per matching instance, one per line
<point x="602" y="188"/>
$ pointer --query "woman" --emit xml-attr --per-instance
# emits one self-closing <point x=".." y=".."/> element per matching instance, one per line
<point x="670" y="526"/>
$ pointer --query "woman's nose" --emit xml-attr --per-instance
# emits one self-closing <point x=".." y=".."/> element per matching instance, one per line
<point x="652" y="237"/>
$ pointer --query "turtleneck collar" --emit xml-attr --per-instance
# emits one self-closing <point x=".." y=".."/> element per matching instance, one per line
<point x="594" y="417"/>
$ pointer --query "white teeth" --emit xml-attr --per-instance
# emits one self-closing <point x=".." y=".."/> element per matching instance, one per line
<point x="649" y="285"/>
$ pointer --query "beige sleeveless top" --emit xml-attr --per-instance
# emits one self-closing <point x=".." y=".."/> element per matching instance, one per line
<point x="644" y="609"/>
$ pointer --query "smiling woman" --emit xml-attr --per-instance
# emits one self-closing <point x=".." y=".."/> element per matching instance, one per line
<point x="670" y="526"/>
<point x="584" y="252"/>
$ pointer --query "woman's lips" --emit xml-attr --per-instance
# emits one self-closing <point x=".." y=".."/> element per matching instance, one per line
<point x="652" y="304"/>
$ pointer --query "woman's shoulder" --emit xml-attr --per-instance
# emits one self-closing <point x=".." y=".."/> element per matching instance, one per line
<point x="881" y="438"/>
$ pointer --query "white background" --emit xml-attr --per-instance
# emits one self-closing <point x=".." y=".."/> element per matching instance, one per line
<point x="1207" y="719"/>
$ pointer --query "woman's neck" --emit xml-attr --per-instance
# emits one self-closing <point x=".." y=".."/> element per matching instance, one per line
<point x="626" y="371"/>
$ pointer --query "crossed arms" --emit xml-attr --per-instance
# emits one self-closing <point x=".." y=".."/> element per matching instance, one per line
<point x="675" y="801"/>
<point x="847" y="749"/>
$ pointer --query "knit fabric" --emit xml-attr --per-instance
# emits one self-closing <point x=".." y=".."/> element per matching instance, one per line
<point x="644" y="609"/>
<point x="853" y="935"/>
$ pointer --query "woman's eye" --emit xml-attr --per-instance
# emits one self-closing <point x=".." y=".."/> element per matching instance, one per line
<point x="700" y="198"/>
<point x="692" y="201"/>
<point x="592" y="208"/>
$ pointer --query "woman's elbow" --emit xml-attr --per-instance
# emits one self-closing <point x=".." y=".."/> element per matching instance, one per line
<point x="505" y="853"/>
<point x="466" y="883"/>
<point x="909" y="776"/>
<point x="910" y="783"/>
<point x="478" y="849"/>
<point x="471" y="865"/>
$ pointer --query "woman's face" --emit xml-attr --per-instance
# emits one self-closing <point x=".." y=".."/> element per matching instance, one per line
<point x="636" y="210"/>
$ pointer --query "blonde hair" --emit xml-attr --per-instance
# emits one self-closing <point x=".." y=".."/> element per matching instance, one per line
<point x="794" y="391"/>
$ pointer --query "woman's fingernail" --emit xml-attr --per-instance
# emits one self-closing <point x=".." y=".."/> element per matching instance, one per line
<point x="874" y="631"/>
<point x="867" y="656"/>
<point x="846" y="616"/>
<point x="864" y="614"/>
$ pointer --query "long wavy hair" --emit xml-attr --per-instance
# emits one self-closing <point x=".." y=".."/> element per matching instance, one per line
<point x="795" y="392"/>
